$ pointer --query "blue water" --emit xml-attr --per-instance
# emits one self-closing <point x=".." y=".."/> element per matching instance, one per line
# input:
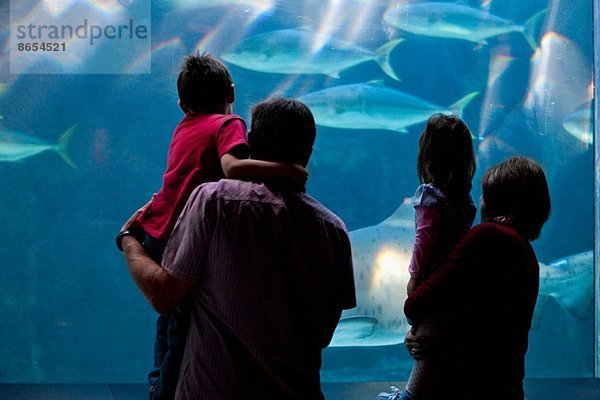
<point x="70" y="312"/>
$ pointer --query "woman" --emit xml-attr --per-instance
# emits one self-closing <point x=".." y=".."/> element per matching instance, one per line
<point x="485" y="292"/>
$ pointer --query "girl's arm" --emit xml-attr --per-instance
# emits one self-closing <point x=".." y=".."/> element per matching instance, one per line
<point x="426" y="239"/>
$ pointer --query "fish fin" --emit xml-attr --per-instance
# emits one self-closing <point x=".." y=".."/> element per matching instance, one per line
<point x="537" y="312"/>
<point x="376" y="82"/>
<point x="457" y="108"/>
<point x="578" y="303"/>
<point x="334" y="74"/>
<point x="529" y="28"/>
<point x="383" y="57"/>
<point x="360" y="327"/>
<point x="401" y="130"/>
<point x="63" y="143"/>
<point x="403" y="216"/>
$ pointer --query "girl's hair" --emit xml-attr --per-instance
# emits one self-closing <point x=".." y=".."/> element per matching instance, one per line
<point x="517" y="189"/>
<point x="446" y="157"/>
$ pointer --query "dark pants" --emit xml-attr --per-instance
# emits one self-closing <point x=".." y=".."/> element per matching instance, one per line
<point x="169" y="344"/>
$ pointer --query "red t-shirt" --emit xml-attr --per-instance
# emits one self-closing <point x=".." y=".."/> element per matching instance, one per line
<point x="199" y="142"/>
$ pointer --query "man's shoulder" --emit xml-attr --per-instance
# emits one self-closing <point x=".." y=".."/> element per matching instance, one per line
<point x="321" y="212"/>
<point x="233" y="189"/>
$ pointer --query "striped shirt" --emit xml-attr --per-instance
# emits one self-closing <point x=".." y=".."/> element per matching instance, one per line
<point x="272" y="272"/>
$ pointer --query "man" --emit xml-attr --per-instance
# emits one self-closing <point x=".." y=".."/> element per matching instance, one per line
<point x="268" y="272"/>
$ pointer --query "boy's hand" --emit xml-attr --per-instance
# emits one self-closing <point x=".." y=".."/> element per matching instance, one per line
<point x="297" y="175"/>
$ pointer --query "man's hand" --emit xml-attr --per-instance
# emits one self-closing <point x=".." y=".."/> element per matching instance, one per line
<point x="417" y="344"/>
<point x="132" y="223"/>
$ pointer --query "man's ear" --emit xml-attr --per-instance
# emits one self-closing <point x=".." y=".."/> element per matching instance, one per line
<point x="231" y="94"/>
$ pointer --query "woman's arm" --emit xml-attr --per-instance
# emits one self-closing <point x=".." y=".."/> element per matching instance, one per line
<point x="441" y="283"/>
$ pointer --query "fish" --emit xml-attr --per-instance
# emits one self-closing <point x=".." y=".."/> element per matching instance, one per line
<point x="300" y="51"/>
<point x="17" y="146"/>
<point x="381" y="255"/>
<point x="570" y="282"/>
<point x="457" y="21"/>
<point x="372" y="105"/>
<point x="579" y="125"/>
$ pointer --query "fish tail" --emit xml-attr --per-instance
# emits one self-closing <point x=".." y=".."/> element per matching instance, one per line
<point x="383" y="57"/>
<point x="62" y="147"/>
<point x="529" y="28"/>
<point x="458" y="107"/>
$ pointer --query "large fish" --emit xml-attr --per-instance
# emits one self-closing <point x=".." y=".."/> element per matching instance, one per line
<point x="374" y="106"/>
<point x="293" y="51"/>
<point x="381" y="255"/>
<point x="16" y="146"/>
<point x="455" y="21"/>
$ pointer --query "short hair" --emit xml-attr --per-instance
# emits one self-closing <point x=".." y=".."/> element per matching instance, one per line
<point x="446" y="158"/>
<point x="204" y="83"/>
<point x="517" y="188"/>
<point x="282" y="130"/>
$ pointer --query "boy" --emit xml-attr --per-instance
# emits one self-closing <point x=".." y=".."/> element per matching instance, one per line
<point x="208" y="144"/>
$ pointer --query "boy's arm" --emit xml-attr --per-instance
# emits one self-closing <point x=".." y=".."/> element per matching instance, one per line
<point x="235" y="166"/>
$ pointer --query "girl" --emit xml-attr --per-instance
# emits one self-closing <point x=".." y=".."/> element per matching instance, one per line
<point x="444" y="212"/>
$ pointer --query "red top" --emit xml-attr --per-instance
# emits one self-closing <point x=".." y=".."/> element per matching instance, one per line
<point x="484" y="293"/>
<point x="199" y="142"/>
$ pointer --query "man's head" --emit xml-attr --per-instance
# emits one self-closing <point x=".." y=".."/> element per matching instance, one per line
<point x="204" y="85"/>
<point x="517" y="189"/>
<point x="282" y="130"/>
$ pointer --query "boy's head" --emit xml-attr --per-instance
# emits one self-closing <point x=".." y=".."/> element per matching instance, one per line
<point x="204" y="85"/>
<point x="282" y="130"/>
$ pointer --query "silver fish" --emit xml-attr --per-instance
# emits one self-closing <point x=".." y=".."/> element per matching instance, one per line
<point x="293" y="51"/>
<point x="455" y="21"/>
<point x="373" y="106"/>
<point x="16" y="146"/>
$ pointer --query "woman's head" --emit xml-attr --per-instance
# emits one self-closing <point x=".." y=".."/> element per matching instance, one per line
<point x="446" y="158"/>
<point x="517" y="189"/>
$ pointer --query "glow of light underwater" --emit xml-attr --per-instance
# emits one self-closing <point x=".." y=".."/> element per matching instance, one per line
<point x="498" y="65"/>
<point x="348" y="13"/>
<point x="223" y="29"/>
<point x="141" y="62"/>
<point x="58" y="7"/>
<point x="391" y="265"/>
<point x="557" y="68"/>
<point x="259" y="6"/>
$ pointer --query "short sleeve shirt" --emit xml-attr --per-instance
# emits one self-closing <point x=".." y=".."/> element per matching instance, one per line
<point x="270" y="270"/>
<point x="194" y="158"/>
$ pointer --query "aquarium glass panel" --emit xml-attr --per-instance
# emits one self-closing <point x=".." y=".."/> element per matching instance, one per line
<point x="85" y="130"/>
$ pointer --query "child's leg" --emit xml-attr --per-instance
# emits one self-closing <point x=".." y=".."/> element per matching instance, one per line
<point x="423" y="369"/>
<point x="155" y="248"/>
<point x="179" y="324"/>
